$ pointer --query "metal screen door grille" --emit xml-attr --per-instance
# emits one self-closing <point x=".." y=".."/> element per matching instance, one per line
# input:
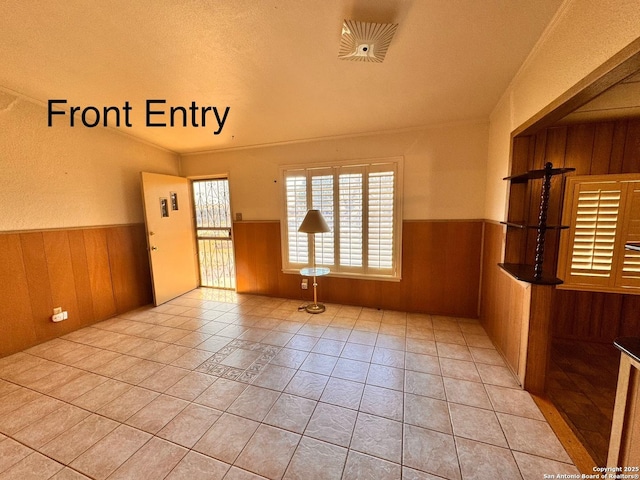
<point x="213" y="232"/>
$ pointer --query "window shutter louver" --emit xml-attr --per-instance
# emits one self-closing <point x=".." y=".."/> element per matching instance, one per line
<point x="296" y="192"/>
<point x="603" y="212"/>
<point x="322" y="199"/>
<point x="630" y="271"/>
<point x="351" y="195"/>
<point x="381" y="219"/>
<point x="595" y="230"/>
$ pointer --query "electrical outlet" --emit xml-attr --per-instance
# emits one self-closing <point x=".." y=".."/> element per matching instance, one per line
<point x="238" y="217"/>
<point x="57" y="310"/>
<point x="58" y="317"/>
<point x="304" y="285"/>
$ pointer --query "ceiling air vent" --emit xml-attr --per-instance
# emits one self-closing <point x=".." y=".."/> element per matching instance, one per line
<point x="365" y="42"/>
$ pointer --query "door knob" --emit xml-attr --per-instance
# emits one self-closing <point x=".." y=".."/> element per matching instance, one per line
<point x="154" y="248"/>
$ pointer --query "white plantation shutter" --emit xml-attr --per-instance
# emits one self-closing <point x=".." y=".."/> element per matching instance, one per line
<point x="351" y="213"/>
<point x="603" y="213"/>
<point x="381" y="218"/>
<point x="629" y="273"/>
<point x="296" y="197"/>
<point x="361" y="204"/>
<point x="322" y="199"/>
<point x="594" y="238"/>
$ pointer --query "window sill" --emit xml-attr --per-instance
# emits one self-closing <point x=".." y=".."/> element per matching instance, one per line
<point x="355" y="276"/>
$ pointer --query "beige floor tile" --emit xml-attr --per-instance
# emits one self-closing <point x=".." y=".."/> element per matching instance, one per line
<point x="164" y="378"/>
<point x="351" y="370"/>
<point x="11" y="452"/>
<point x="307" y="384"/>
<point x="33" y="467"/>
<point x="139" y="372"/>
<point x="254" y="403"/>
<point x="115" y="366"/>
<point x="274" y="377"/>
<point x="47" y="428"/>
<point x="487" y="355"/>
<point x="356" y="351"/>
<point x="378" y="436"/>
<point x="497" y="375"/>
<point x="451" y="350"/>
<point x="128" y="404"/>
<point x="387" y="377"/>
<point x="269" y="451"/>
<point x="288" y="357"/>
<point x="421" y="346"/>
<point x="424" y="384"/>
<point x="363" y="337"/>
<point x="192" y="359"/>
<point x="82" y="384"/>
<point x="332" y="424"/>
<point x="158" y="413"/>
<point x="515" y="402"/>
<point x="422" y="363"/>
<point x="460" y="369"/>
<point x="169" y="354"/>
<point x="365" y="467"/>
<point x="50" y="382"/>
<point x="6" y="388"/>
<point x="17" y="419"/>
<point x="279" y="339"/>
<point x="70" y="444"/>
<point x="412" y="474"/>
<point x="316" y="460"/>
<point x="241" y="358"/>
<point x="226" y="438"/>
<point x="382" y="402"/>
<point x="388" y="357"/>
<point x="478" y="340"/>
<point x="291" y="413"/>
<point x="156" y="459"/>
<point x="68" y="474"/>
<point x="344" y="393"/>
<point x="108" y="454"/>
<point x="191" y="386"/>
<point x="466" y="393"/>
<point x="533" y="467"/>
<point x="532" y="436"/>
<point x="101" y="395"/>
<point x="195" y="466"/>
<point x="319" y="363"/>
<point x="479" y="461"/>
<point x="476" y="424"/>
<point x="327" y="346"/>
<point x="431" y="452"/>
<point x="189" y="425"/>
<point x="449" y="336"/>
<point x="337" y="333"/>
<point x="236" y="473"/>
<point x="427" y="412"/>
<point x="221" y="394"/>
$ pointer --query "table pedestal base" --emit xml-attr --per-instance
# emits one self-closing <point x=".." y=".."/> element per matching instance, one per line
<point x="315" y="308"/>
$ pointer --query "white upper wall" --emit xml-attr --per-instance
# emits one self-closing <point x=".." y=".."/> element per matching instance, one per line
<point x="582" y="36"/>
<point x="63" y="177"/>
<point x="444" y="169"/>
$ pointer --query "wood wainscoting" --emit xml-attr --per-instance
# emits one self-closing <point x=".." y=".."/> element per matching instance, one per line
<point x="440" y="269"/>
<point x="92" y="273"/>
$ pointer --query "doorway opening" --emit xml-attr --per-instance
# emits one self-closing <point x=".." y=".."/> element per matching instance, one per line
<point x="213" y="233"/>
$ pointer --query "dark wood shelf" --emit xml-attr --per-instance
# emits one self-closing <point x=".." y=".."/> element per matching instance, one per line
<point x="534" y="227"/>
<point x="533" y="174"/>
<point x="525" y="273"/>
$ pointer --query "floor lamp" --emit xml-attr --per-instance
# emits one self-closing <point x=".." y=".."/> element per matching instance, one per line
<point x="314" y="223"/>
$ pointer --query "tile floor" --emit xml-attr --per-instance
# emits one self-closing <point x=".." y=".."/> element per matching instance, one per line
<point x="582" y="383"/>
<point x="216" y="385"/>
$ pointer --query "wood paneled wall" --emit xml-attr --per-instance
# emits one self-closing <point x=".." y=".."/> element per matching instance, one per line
<point x="92" y="273"/>
<point x="504" y="301"/>
<point x="440" y="269"/>
<point x="592" y="149"/>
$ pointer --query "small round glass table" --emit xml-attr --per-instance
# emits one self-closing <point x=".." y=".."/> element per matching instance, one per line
<point x="314" y="272"/>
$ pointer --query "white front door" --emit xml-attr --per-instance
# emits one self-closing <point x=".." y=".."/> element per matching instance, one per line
<point x="170" y="238"/>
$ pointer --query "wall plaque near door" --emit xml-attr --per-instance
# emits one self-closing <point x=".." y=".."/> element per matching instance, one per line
<point x="174" y="200"/>
<point x="164" y="207"/>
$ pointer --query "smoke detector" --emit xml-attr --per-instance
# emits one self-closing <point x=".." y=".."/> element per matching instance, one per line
<point x="365" y="42"/>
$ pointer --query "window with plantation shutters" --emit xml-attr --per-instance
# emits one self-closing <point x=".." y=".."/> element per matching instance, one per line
<point x="603" y="214"/>
<point x="361" y="204"/>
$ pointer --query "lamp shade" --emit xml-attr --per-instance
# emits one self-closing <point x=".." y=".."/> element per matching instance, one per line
<point x="314" y="222"/>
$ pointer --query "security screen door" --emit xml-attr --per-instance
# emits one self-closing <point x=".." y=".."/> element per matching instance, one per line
<point x="213" y="233"/>
<point x="170" y="239"/>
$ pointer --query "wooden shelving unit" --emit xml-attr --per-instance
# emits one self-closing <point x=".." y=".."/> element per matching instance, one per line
<point x="534" y="273"/>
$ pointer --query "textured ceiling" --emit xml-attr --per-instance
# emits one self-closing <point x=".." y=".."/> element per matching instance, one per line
<point x="273" y="62"/>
